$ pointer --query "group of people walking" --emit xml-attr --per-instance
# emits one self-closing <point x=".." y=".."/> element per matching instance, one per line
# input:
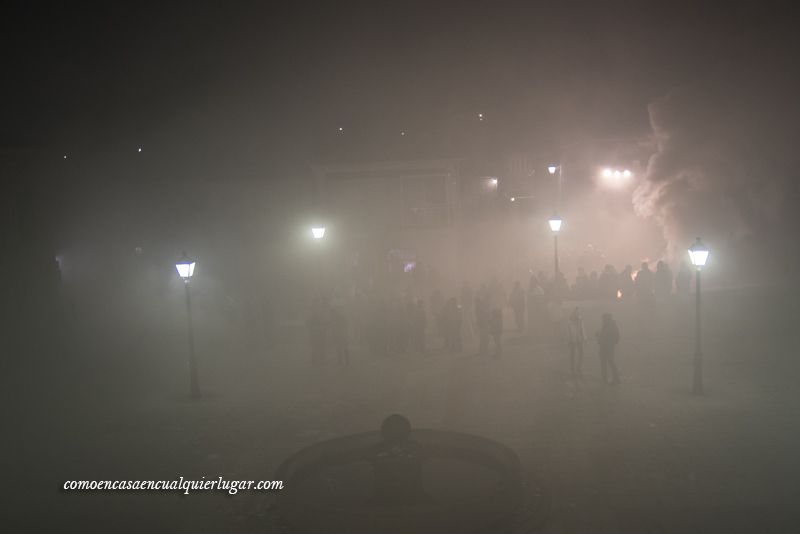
<point x="394" y="323"/>
<point x="607" y="339"/>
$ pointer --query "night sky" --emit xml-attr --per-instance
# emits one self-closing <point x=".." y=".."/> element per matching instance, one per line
<point x="278" y="80"/>
<point x="264" y="90"/>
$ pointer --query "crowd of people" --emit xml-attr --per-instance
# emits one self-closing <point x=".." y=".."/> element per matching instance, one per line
<point x="396" y="322"/>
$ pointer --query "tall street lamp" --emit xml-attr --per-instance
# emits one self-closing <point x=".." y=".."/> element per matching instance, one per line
<point x="555" y="227"/>
<point x="698" y="255"/>
<point x="185" y="268"/>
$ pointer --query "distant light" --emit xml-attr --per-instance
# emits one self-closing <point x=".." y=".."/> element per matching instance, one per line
<point x="698" y="254"/>
<point x="493" y="181"/>
<point x="619" y="294"/>
<point x="140" y="149"/>
<point x="552" y="169"/>
<point x="341" y="129"/>
<point x="318" y="232"/>
<point x="555" y="223"/>
<point x="626" y="173"/>
<point x="480" y="116"/>
<point x="138" y="250"/>
<point x="617" y="174"/>
<point x="65" y="156"/>
<point x="607" y="173"/>
<point x="185" y="267"/>
<point x="402" y="133"/>
<point x="513" y="199"/>
<point x="409" y="266"/>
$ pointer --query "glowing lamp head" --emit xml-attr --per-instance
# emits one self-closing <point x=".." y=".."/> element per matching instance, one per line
<point x="555" y="223"/>
<point x="626" y="173"/>
<point x="698" y="254"/>
<point x="318" y="232"/>
<point x="607" y="173"/>
<point x="552" y="169"/>
<point x="493" y="182"/>
<point x="185" y="267"/>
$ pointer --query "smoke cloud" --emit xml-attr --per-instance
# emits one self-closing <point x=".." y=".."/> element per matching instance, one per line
<point x="719" y="170"/>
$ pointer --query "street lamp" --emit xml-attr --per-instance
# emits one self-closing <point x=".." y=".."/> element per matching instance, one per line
<point x="185" y="267"/>
<point x="698" y="255"/>
<point x="318" y="232"/>
<point x="555" y="227"/>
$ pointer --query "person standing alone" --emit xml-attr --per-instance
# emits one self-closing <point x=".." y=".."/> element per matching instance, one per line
<point x="576" y="337"/>
<point x="607" y="339"/>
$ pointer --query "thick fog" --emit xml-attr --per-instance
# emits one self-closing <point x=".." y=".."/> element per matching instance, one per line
<point x="443" y="357"/>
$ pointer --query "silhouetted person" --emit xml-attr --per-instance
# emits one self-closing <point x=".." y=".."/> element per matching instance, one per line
<point x="609" y="282"/>
<point x="607" y="339"/>
<point x="576" y="337"/>
<point x="483" y="312"/>
<point x="339" y="331"/>
<point x="517" y="303"/>
<point x="663" y="281"/>
<point x="537" y="306"/>
<point x="544" y="281"/>
<point x="418" y="324"/>
<point x="684" y="278"/>
<point x="626" y="283"/>
<point x="398" y="327"/>
<point x="468" y="307"/>
<point x="497" y="292"/>
<point x="581" y="288"/>
<point x="496" y="331"/>
<point x="644" y="284"/>
<point x="451" y="323"/>
<point x="437" y="305"/>
<point x="397" y="465"/>
<point x="377" y="328"/>
<point x="593" y="289"/>
<point x="559" y="288"/>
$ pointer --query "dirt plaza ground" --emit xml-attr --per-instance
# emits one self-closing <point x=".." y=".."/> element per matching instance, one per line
<point x="643" y="456"/>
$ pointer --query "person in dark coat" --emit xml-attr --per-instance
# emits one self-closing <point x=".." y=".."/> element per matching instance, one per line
<point x="496" y="331"/>
<point x="418" y="324"/>
<point x="645" y="284"/>
<point x="537" y="307"/>
<point x="576" y="337"/>
<point x="626" y="283"/>
<point x="609" y="282"/>
<point x="607" y="339"/>
<point x="451" y="322"/>
<point x="663" y="281"/>
<point x="483" y="312"/>
<point x="517" y="303"/>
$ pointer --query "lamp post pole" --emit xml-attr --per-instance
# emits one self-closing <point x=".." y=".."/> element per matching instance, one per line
<point x="185" y="268"/>
<point x="698" y="254"/>
<point x="194" y="387"/>
<point x="697" y="381"/>
<point x="555" y="255"/>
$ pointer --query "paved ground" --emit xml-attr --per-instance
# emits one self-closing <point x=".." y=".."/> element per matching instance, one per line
<point x="644" y="456"/>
